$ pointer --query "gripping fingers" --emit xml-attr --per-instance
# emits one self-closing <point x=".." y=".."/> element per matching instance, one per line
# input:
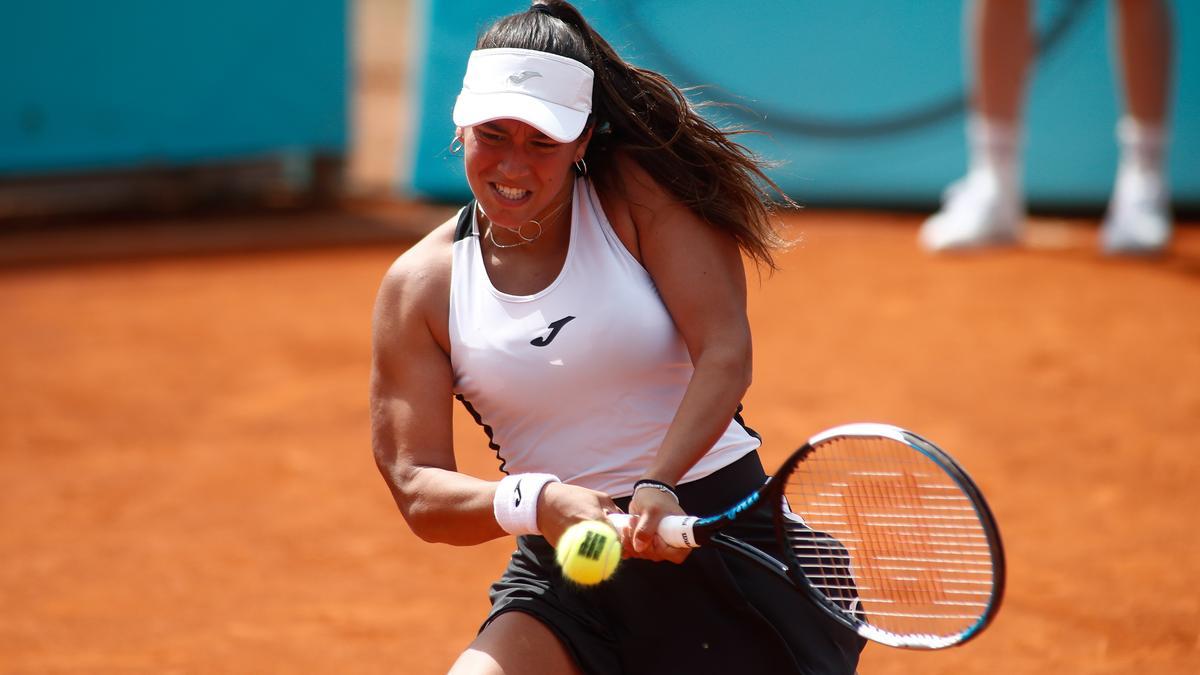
<point x="676" y="531"/>
<point x="673" y="543"/>
<point x="643" y="533"/>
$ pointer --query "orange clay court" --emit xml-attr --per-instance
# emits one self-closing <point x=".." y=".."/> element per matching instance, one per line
<point x="186" y="482"/>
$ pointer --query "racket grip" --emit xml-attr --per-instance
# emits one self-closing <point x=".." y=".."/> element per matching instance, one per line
<point x="675" y="530"/>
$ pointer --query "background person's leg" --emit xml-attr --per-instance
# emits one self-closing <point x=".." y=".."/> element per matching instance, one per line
<point x="986" y="207"/>
<point x="1138" y="218"/>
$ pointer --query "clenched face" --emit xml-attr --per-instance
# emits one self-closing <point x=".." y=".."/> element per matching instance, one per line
<point x="516" y="172"/>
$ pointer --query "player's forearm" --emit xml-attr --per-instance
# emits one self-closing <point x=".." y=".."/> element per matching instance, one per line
<point x="720" y="380"/>
<point x="446" y="507"/>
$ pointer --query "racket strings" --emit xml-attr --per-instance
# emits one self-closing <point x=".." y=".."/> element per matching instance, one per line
<point x="884" y="532"/>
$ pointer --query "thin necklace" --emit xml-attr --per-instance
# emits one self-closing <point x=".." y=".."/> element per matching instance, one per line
<point x="520" y="231"/>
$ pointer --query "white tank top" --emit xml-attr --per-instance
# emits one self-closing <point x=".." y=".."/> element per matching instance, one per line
<point x="582" y="378"/>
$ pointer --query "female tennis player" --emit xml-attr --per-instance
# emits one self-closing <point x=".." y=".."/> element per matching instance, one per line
<point x="588" y="308"/>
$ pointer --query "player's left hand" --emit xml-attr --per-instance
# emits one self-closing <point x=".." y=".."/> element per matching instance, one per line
<point x="641" y="540"/>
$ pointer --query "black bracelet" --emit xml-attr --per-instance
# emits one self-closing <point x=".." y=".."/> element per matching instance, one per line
<point x="657" y="485"/>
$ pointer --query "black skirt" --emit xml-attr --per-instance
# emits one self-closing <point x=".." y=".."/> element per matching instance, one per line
<point x="715" y="613"/>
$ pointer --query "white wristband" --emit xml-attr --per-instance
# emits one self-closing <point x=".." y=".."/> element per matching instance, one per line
<point x="516" y="502"/>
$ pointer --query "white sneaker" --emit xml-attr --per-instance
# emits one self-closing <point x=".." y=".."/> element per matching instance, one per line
<point x="976" y="213"/>
<point x="1138" y="221"/>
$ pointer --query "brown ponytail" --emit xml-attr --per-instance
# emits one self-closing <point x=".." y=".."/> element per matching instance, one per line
<point x="642" y="114"/>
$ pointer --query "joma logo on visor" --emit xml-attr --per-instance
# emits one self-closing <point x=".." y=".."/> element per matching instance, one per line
<point x="518" y="78"/>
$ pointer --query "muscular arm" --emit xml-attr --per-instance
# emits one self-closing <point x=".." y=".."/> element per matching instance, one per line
<point x="699" y="273"/>
<point x="410" y="389"/>
<point x="700" y="276"/>
<point x="411" y="416"/>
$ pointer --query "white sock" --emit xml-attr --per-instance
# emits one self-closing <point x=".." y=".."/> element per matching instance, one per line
<point x="995" y="153"/>
<point x="1142" y="144"/>
<point x="1141" y="165"/>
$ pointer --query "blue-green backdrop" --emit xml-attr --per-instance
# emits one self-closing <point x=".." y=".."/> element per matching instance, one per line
<point x="93" y="86"/>
<point x="860" y="99"/>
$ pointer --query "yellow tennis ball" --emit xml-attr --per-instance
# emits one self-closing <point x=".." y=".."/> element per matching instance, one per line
<point x="588" y="552"/>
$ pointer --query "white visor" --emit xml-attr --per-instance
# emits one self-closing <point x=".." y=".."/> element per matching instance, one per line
<point x="549" y="92"/>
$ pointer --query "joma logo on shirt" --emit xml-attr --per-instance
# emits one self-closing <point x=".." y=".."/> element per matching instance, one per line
<point x="554" y="328"/>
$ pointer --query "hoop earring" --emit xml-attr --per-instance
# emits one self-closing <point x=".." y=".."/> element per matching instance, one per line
<point x="457" y="141"/>
<point x="581" y="167"/>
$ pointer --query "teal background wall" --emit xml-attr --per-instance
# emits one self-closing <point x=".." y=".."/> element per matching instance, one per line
<point x="861" y="100"/>
<point x="134" y="83"/>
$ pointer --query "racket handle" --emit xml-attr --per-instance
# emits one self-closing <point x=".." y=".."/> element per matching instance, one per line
<point x="675" y="530"/>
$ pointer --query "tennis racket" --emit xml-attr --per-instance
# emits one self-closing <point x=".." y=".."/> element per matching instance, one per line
<point x="882" y="529"/>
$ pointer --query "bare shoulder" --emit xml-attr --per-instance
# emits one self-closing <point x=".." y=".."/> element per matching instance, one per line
<point x="633" y="201"/>
<point x="675" y="243"/>
<point x="417" y="286"/>
<point x="638" y="194"/>
<point x="696" y="267"/>
<point x="428" y="258"/>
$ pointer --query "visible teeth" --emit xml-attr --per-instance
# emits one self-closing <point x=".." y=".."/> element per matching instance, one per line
<point x="510" y="192"/>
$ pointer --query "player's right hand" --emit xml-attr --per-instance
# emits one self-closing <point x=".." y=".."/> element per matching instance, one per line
<point x="561" y="505"/>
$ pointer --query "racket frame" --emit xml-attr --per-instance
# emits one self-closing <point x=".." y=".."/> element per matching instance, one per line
<point x="693" y="532"/>
<point x="773" y="493"/>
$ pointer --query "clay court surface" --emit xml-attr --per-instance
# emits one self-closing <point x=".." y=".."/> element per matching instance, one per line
<point x="186" y="482"/>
